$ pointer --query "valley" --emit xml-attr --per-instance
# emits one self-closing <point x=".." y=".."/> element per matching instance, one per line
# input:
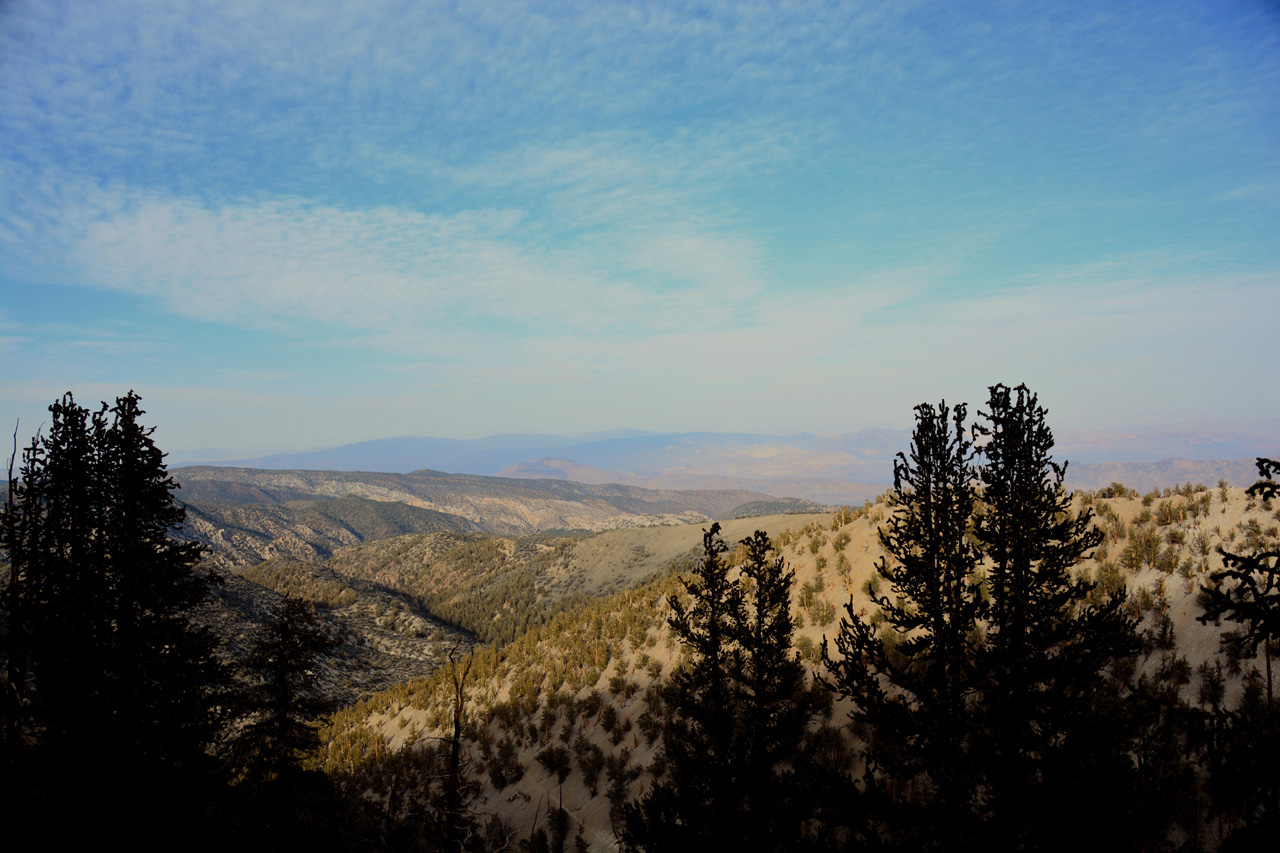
<point x="513" y="427"/>
<point x="405" y="570"/>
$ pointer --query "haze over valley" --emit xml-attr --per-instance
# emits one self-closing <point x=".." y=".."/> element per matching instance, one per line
<point x="840" y="469"/>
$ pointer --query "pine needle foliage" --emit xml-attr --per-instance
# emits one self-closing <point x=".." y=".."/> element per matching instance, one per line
<point x="1246" y="592"/>
<point x="913" y="688"/>
<point x="981" y="687"/>
<point x="1048" y="744"/>
<point x="99" y="601"/>
<point x="737" y="714"/>
<point x="281" y="700"/>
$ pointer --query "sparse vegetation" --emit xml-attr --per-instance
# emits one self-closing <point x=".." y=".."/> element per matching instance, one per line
<point x="568" y="693"/>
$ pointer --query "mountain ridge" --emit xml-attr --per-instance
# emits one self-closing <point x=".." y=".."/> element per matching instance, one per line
<point x="246" y="515"/>
<point x="845" y="468"/>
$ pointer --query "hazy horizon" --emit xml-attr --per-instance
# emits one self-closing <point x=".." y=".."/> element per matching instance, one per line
<point x="1196" y="441"/>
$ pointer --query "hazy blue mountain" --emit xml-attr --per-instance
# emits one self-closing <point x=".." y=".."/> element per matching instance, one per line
<point x="830" y="469"/>
<point x="487" y="455"/>
<point x="1194" y="441"/>
<point x="863" y="456"/>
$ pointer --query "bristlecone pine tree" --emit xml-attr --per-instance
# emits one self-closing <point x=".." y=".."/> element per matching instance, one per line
<point x="281" y="701"/>
<point x="693" y="806"/>
<point x="277" y="804"/>
<point x="775" y="706"/>
<point x="1054" y="738"/>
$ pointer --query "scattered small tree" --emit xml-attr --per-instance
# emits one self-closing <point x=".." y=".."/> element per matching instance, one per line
<point x="1246" y="591"/>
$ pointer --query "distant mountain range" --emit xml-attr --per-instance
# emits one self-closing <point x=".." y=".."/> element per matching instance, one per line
<point x="626" y="450"/>
<point x="829" y="469"/>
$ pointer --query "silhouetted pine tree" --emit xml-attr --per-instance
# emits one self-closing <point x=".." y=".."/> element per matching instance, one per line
<point x="913" y="683"/>
<point x="109" y="682"/>
<point x="775" y="706"/>
<point x="988" y="713"/>
<point x="57" y="596"/>
<point x="1246" y="590"/>
<point x="281" y="700"/>
<point x="166" y="676"/>
<point x="1055" y="738"/>
<point x="276" y="803"/>
<point x="692" y="807"/>
<point x="737" y="715"/>
<point x="1245" y="780"/>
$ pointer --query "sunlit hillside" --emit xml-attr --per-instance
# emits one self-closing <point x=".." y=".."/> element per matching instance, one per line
<point x="585" y="681"/>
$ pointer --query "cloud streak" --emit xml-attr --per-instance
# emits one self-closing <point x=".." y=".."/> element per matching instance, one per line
<point x="582" y="212"/>
<point x="283" y="262"/>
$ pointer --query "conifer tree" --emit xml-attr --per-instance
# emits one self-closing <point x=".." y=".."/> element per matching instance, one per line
<point x="692" y="808"/>
<point x="281" y="700"/>
<point x="99" y="599"/>
<point x="737" y="714"/>
<point x="276" y="804"/>
<point x="987" y="710"/>
<point x="1053" y="733"/>
<point x="1245" y="776"/>
<point x="1246" y="590"/>
<point x="913" y="686"/>
<point x="775" y="704"/>
<point x="57" y="602"/>
<point x="165" y="673"/>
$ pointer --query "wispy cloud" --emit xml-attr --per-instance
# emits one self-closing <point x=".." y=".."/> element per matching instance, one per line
<point x="595" y="207"/>
<point x="364" y="270"/>
<point x="607" y="234"/>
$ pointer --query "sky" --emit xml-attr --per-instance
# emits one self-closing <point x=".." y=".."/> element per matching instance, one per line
<point x="296" y="225"/>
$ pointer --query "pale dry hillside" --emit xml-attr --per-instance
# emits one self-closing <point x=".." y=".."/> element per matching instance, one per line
<point x="583" y="683"/>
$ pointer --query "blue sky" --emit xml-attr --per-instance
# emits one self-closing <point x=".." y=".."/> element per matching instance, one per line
<point x="292" y="225"/>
